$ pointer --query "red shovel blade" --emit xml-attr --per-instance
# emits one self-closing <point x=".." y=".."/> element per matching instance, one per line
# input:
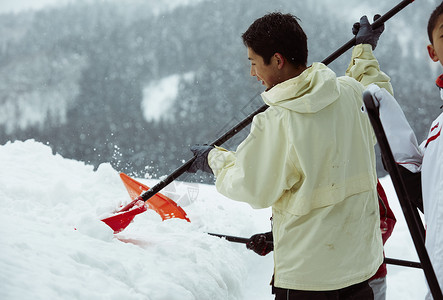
<point x="163" y="205"/>
<point x="123" y="218"/>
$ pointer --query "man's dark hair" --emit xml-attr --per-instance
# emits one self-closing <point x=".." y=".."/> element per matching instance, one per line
<point x="433" y="21"/>
<point x="278" y="33"/>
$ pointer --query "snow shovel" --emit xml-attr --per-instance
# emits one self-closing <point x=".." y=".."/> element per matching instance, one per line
<point x="161" y="204"/>
<point x="146" y="195"/>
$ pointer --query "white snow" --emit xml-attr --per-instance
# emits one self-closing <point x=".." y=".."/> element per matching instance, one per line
<point x="54" y="246"/>
<point x="159" y="96"/>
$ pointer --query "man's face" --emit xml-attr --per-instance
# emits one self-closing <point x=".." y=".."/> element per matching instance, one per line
<point x="436" y="49"/>
<point x="267" y="74"/>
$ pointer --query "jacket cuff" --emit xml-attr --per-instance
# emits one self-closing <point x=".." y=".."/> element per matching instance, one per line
<point x="362" y="50"/>
<point x="218" y="158"/>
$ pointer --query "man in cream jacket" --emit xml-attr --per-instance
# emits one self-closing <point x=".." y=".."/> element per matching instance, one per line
<point x="310" y="156"/>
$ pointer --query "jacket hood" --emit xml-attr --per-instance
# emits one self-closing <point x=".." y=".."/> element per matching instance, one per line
<point x="310" y="92"/>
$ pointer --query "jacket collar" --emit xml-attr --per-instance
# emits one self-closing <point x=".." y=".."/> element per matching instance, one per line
<point x="311" y="91"/>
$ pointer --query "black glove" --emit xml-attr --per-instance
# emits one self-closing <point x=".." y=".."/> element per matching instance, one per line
<point x="261" y="243"/>
<point x="201" y="159"/>
<point x="364" y="34"/>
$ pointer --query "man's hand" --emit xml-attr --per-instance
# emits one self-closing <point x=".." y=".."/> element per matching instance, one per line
<point x="261" y="243"/>
<point x="201" y="159"/>
<point x="364" y="34"/>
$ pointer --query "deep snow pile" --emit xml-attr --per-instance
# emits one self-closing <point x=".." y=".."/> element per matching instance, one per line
<point x="54" y="246"/>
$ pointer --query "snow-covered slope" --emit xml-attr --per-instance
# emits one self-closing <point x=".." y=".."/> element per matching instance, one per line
<point x="54" y="246"/>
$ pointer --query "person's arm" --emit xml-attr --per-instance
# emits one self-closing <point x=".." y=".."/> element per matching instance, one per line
<point x="387" y="217"/>
<point x="364" y="67"/>
<point x="401" y="137"/>
<point x="261" y="169"/>
<point x="402" y="141"/>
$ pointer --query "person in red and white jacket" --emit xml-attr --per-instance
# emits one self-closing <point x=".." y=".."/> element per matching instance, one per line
<point x="425" y="159"/>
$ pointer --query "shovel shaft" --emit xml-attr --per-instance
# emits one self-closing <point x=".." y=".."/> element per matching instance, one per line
<point x="245" y="122"/>
<point x="230" y="238"/>
<point x="235" y="239"/>
<point x="222" y="139"/>
<point x="403" y="263"/>
<point x="380" y="21"/>
<point x="391" y="261"/>
<point x="163" y="183"/>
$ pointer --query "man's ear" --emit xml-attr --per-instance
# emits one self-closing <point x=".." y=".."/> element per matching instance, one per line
<point x="432" y="53"/>
<point x="280" y="59"/>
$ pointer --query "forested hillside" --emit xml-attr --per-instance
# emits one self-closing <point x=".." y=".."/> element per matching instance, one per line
<point x="78" y="76"/>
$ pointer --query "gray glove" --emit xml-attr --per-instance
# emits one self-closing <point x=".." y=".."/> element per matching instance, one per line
<point x="364" y="34"/>
<point x="201" y="159"/>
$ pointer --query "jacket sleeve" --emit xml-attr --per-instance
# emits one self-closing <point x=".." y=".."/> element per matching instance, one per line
<point x="365" y="68"/>
<point x="387" y="217"/>
<point x="399" y="133"/>
<point x="261" y="169"/>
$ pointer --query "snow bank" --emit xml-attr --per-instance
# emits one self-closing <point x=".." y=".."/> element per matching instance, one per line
<point x="54" y="246"/>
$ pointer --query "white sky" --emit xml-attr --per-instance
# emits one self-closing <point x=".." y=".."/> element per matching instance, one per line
<point x="7" y="6"/>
